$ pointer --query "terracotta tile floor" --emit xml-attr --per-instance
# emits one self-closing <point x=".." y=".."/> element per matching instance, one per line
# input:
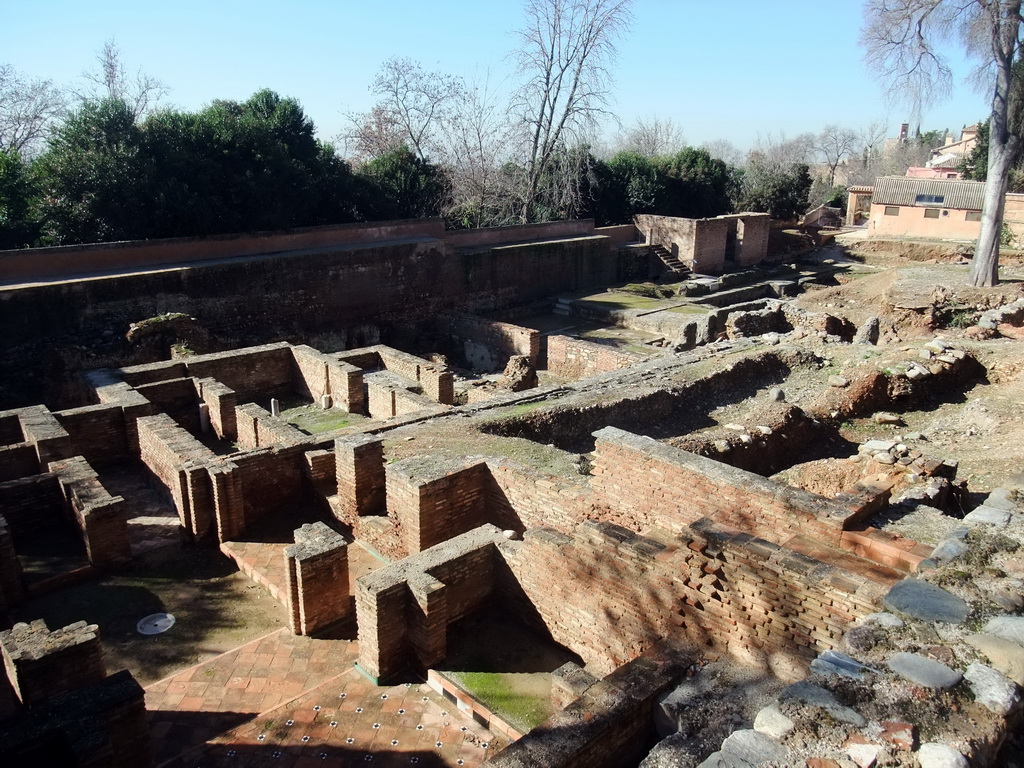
<point x="283" y="700"/>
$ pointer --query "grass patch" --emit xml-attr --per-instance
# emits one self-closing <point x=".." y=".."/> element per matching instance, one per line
<point x="504" y="693"/>
<point x="313" y="420"/>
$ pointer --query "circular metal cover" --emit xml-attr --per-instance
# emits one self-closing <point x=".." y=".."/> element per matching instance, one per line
<point x="155" y="624"/>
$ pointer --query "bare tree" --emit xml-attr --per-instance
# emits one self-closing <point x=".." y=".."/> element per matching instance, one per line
<point x="724" y="150"/>
<point x="475" y="149"/>
<point x="372" y="134"/>
<point x="27" y="110"/>
<point x="904" y="39"/>
<point x="567" y="47"/>
<point x="652" y="137"/>
<point x="413" y="106"/>
<point x="780" y="152"/>
<point x="835" y="143"/>
<point x="140" y="91"/>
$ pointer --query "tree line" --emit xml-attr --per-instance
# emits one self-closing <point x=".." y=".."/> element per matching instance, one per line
<point x="106" y="162"/>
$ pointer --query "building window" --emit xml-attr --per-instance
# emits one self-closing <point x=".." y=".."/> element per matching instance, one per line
<point x="950" y="175"/>
<point x="973" y="216"/>
<point x="931" y="213"/>
<point x="930" y="199"/>
<point x="892" y="210"/>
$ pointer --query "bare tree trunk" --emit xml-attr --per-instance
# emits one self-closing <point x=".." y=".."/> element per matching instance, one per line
<point x="985" y="263"/>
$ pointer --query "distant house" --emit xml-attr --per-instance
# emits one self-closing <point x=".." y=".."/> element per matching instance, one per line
<point x="947" y="157"/>
<point x="943" y="209"/>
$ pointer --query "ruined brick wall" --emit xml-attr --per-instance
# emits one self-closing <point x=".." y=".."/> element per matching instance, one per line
<point x="270" y="479"/>
<point x="317" y="579"/>
<point x="359" y="464"/>
<point x="610" y="725"/>
<point x="752" y="238"/>
<point x="177" y="398"/>
<point x="220" y="402"/>
<point x="177" y="461"/>
<point x="610" y="595"/>
<point x="403" y="610"/>
<point x="41" y="663"/>
<point x="518" y="233"/>
<point x="520" y="497"/>
<point x="12" y="590"/>
<point x="102" y="518"/>
<point x="435" y="500"/>
<point x="299" y="296"/>
<point x="576" y="358"/>
<point x="257" y="428"/>
<point x="18" y="461"/>
<point x="646" y="483"/>
<point x="487" y="345"/>
<point x="263" y="371"/>
<point x="98" y="432"/>
<point x="32" y="504"/>
<point x="709" y="243"/>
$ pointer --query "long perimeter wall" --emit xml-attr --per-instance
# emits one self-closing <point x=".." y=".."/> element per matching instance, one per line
<point x="351" y="291"/>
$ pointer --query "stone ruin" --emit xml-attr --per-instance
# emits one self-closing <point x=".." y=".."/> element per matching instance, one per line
<point x="592" y="505"/>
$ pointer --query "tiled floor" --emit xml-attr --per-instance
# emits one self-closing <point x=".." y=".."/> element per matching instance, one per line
<point x="284" y="700"/>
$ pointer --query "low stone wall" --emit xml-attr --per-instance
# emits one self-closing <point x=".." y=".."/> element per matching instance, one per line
<point x="575" y="358"/>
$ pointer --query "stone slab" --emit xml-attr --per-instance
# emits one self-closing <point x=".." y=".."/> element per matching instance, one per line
<point x="927" y="602"/>
<point x="924" y="671"/>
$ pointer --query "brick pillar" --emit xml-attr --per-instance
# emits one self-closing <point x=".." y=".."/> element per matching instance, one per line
<point x="428" y="619"/>
<point x="359" y="464"/>
<point x="12" y="591"/>
<point x="318" y="588"/>
<point x="41" y="663"/>
<point x="383" y="642"/>
<point x="228" y="507"/>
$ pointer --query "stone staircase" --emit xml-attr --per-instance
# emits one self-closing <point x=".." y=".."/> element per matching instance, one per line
<point x="563" y="307"/>
<point x="672" y="264"/>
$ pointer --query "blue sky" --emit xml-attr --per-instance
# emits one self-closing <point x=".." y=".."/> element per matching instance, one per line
<point x="720" y="70"/>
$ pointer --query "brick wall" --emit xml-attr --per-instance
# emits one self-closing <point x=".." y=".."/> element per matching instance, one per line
<point x="177" y="398"/>
<point x="403" y="610"/>
<point x="101" y="724"/>
<point x="610" y="725"/>
<point x="434" y="500"/>
<point x="33" y="504"/>
<point x="18" y="461"/>
<point x="611" y="595"/>
<point x="41" y="663"/>
<point x="257" y="428"/>
<point x="752" y="238"/>
<point x="270" y="479"/>
<point x="263" y="371"/>
<point x="221" y="402"/>
<point x="520" y="497"/>
<point x="12" y="591"/>
<point x="487" y="344"/>
<point x="707" y="249"/>
<point x="576" y="358"/>
<point x="177" y="461"/>
<point x="317" y="573"/>
<point x="10" y="429"/>
<point x="44" y="432"/>
<point x="646" y="483"/>
<point x="359" y="464"/>
<point x="98" y="432"/>
<point x="101" y="518"/>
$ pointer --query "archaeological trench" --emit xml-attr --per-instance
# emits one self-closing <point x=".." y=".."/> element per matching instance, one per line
<point x="652" y="495"/>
